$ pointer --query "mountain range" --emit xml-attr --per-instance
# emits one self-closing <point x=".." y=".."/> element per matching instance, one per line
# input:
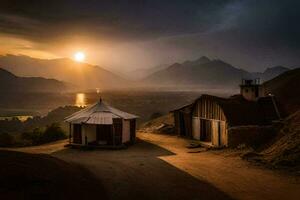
<point x="12" y="83"/>
<point x="83" y="75"/>
<point x="206" y="72"/>
<point x="200" y="73"/>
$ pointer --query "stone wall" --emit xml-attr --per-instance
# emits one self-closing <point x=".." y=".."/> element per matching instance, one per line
<point x="253" y="136"/>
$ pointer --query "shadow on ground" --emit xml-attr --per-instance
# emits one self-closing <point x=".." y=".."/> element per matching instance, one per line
<point x="40" y="176"/>
<point x="139" y="173"/>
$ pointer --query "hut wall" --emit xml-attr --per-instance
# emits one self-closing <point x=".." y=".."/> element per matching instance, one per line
<point x="89" y="131"/>
<point x="132" y="130"/>
<point x="126" y="131"/>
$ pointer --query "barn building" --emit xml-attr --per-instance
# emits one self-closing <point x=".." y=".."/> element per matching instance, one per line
<point x="101" y="125"/>
<point x="215" y="120"/>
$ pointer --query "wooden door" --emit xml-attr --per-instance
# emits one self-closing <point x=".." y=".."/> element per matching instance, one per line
<point x="77" y="137"/>
<point x="205" y="130"/>
<point x="215" y="133"/>
<point x="117" y="130"/>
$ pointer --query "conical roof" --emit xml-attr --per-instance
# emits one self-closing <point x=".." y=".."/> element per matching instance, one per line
<point x="98" y="113"/>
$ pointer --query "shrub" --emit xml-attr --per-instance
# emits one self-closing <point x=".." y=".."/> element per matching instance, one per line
<point x="6" y="140"/>
<point x="37" y="136"/>
<point x="53" y="132"/>
<point x="34" y="137"/>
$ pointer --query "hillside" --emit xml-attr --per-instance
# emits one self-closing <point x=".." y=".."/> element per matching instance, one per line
<point x="163" y="124"/>
<point x="285" y="149"/>
<point x="286" y="89"/>
<point x="11" y="83"/>
<point x="272" y="72"/>
<point x="205" y="72"/>
<point x="83" y="75"/>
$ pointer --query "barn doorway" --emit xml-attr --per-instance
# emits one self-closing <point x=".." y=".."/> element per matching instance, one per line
<point x="205" y="130"/>
<point x="104" y="134"/>
<point x="219" y="133"/>
<point x="77" y="138"/>
<point x="182" y="124"/>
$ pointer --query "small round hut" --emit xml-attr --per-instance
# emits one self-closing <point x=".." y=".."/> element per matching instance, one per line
<point x="101" y="125"/>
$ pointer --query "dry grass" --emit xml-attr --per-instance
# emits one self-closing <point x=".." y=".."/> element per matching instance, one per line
<point x="163" y="124"/>
<point x="285" y="150"/>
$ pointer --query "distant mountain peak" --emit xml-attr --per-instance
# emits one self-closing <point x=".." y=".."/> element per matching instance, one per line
<point x="175" y="65"/>
<point x="202" y="60"/>
<point x="277" y="68"/>
<point x="63" y="69"/>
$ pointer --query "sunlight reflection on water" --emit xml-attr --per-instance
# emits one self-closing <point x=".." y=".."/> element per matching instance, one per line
<point x="80" y="100"/>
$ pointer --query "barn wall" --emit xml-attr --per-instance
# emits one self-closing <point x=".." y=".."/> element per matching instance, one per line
<point x="209" y="110"/>
<point x="196" y="128"/>
<point x="215" y="133"/>
<point x="126" y="131"/>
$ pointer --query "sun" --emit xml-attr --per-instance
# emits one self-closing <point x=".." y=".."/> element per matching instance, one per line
<point x="79" y="56"/>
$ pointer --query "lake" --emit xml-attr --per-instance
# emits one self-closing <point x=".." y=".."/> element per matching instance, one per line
<point x="20" y="117"/>
<point x="141" y="103"/>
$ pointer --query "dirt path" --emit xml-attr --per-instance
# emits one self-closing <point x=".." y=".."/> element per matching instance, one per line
<point x="227" y="172"/>
<point x="160" y="167"/>
<point x="139" y="173"/>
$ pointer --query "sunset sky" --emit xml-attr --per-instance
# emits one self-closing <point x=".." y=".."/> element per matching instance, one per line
<point x="125" y="35"/>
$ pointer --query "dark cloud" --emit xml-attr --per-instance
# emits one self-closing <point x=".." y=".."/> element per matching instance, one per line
<point x="130" y="19"/>
<point x="249" y="33"/>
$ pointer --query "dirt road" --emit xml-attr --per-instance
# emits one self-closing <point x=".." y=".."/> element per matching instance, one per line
<point x="161" y="167"/>
<point x="139" y="173"/>
<point x="227" y="171"/>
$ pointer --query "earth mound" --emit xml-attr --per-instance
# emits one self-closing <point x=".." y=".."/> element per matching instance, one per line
<point x="163" y="124"/>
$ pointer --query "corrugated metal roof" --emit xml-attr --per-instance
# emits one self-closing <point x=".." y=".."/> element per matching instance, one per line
<point x="98" y="113"/>
<point x="100" y="118"/>
<point x="239" y="111"/>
